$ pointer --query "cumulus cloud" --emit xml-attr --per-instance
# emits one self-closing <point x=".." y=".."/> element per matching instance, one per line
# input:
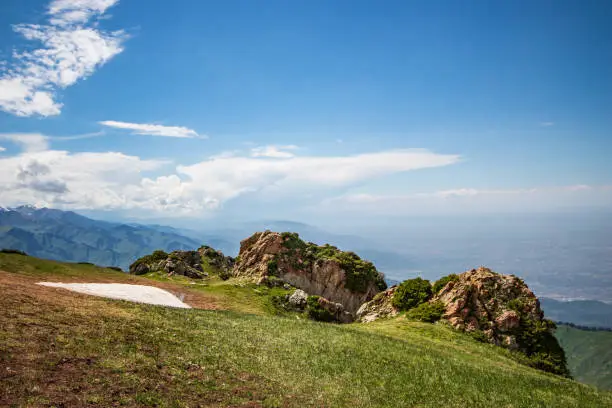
<point x="117" y="181"/>
<point x="2" y="149"/>
<point x="70" y="47"/>
<point x="153" y="130"/>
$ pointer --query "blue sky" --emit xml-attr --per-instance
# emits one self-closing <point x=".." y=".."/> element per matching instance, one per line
<point x="305" y="108"/>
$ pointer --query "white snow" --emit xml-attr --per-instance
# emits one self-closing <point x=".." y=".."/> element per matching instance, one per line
<point x="122" y="291"/>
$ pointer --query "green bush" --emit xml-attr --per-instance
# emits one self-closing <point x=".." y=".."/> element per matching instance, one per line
<point x="427" y="312"/>
<point x="316" y="311"/>
<point x="479" y="335"/>
<point x="441" y="283"/>
<point x="273" y="267"/>
<point x="411" y="293"/>
<point x="536" y="339"/>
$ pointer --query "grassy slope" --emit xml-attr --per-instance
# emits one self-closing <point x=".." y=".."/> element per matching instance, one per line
<point x="60" y="347"/>
<point x="589" y="355"/>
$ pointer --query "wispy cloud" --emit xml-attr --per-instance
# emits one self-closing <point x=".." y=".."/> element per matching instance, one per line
<point x="279" y="152"/>
<point x="547" y="124"/>
<point x="79" y="137"/>
<point x="153" y="130"/>
<point x="71" y="47"/>
<point x="473" y="200"/>
<point x="2" y="149"/>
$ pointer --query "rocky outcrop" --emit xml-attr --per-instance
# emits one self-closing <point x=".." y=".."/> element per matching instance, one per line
<point x="379" y="307"/>
<point x="213" y="261"/>
<point x="492" y="303"/>
<point x="192" y="264"/>
<point x="338" y="276"/>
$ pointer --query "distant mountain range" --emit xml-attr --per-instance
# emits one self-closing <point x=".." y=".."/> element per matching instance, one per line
<point x="591" y="313"/>
<point x="67" y="236"/>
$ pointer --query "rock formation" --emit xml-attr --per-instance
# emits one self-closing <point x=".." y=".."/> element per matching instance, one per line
<point x="192" y="264"/>
<point x="379" y="307"/>
<point x="495" y="304"/>
<point x="338" y="276"/>
<point x="499" y="309"/>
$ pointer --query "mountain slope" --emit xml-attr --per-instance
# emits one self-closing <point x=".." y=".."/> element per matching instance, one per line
<point x="67" y="236"/>
<point x="589" y="355"/>
<point x="581" y="312"/>
<point x="61" y="348"/>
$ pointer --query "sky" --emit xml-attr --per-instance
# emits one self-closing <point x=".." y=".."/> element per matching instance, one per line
<point x="330" y="110"/>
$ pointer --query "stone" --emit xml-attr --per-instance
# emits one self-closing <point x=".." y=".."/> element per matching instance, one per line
<point x="298" y="299"/>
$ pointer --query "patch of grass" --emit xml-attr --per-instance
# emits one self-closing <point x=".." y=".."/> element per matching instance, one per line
<point x="61" y="348"/>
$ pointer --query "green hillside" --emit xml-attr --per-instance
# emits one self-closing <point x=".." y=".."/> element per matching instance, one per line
<point x="589" y="354"/>
<point x="59" y="348"/>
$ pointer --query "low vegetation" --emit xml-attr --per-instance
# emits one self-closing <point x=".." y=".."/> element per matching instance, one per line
<point x="316" y="312"/>
<point x="537" y="341"/>
<point x="155" y="257"/>
<point x="59" y="348"/>
<point x="411" y="293"/>
<point x="441" y="283"/>
<point x="428" y="312"/>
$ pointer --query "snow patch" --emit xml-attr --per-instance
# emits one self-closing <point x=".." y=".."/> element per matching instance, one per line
<point x="122" y="291"/>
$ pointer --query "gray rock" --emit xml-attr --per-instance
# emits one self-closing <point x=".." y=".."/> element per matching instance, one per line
<point x="298" y="299"/>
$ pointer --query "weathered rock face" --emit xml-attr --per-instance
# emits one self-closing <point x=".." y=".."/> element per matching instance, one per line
<point x="379" y="307"/>
<point x="490" y="302"/>
<point x="193" y="264"/>
<point x="341" y="277"/>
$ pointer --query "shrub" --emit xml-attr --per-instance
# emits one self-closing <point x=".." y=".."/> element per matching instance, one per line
<point x="316" y="311"/>
<point x="536" y="339"/>
<point x="427" y="312"/>
<point x="441" y="283"/>
<point x="479" y="335"/>
<point x="411" y="293"/>
<point x="273" y="267"/>
<point x="115" y="268"/>
<point x="13" y="251"/>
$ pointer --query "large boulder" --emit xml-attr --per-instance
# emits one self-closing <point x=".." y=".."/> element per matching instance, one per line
<point x="338" y="276"/>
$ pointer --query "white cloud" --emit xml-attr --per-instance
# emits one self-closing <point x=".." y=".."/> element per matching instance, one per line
<point x="30" y="142"/>
<point x="153" y="130"/>
<point x="547" y="124"/>
<point x="2" y="149"/>
<point x="71" y="47"/>
<point x="117" y="181"/>
<point x="279" y="152"/>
